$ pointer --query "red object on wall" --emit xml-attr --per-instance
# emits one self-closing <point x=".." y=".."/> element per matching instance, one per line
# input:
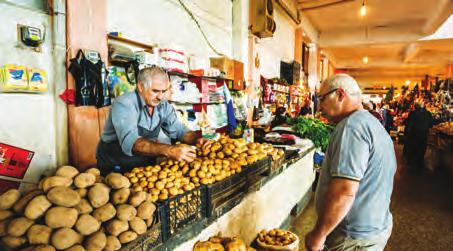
<point x="14" y="161"/>
<point x="5" y="185"/>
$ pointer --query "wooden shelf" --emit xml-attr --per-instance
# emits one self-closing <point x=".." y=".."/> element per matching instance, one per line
<point x="147" y="47"/>
<point x="281" y="92"/>
<point x="187" y="75"/>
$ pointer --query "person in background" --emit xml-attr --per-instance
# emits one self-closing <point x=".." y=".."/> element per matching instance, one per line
<point x="306" y="109"/>
<point x="388" y="118"/>
<point x="140" y="127"/>
<point x="370" y="109"/>
<point x="280" y="117"/>
<point x="356" y="182"/>
<point x="417" y="128"/>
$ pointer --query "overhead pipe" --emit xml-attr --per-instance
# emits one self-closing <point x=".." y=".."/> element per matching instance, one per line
<point x="294" y="17"/>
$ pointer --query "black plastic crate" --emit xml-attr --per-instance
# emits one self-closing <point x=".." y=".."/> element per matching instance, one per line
<point x="224" y="195"/>
<point x="182" y="210"/>
<point x="258" y="172"/>
<point x="149" y="240"/>
<point x="261" y="167"/>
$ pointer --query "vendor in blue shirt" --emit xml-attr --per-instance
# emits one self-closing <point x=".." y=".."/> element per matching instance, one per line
<point x="141" y="125"/>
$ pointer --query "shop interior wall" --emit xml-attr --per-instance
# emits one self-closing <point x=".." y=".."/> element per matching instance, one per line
<point x="165" y="23"/>
<point x="29" y="120"/>
<point x="278" y="48"/>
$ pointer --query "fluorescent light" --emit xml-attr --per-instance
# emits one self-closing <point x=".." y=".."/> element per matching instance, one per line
<point x="365" y="60"/>
<point x="363" y="9"/>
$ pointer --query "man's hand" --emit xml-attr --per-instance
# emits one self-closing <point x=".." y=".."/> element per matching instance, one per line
<point x="204" y="143"/>
<point x="314" y="241"/>
<point x="182" y="152"/>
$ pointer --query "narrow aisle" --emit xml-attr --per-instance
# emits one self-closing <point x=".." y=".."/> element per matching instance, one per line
<point x="422" y="208"/>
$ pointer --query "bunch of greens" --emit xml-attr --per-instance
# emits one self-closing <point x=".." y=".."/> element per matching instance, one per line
<point x="312" y="129"/>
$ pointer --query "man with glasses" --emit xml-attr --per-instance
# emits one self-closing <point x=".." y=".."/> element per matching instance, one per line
<point x="140" y="125"/>
<point x="356" y="181"/>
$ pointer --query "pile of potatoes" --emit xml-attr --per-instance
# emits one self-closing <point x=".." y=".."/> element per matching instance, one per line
<point x="216" y="243"/>
<point x="222" y="159"/>
<point x="75" y="211"/>
<point x="276" y="237"/>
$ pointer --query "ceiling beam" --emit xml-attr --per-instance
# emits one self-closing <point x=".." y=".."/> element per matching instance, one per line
<point x="443" y="11"/>
<point x="321" y="6"/>
<point x="410" y="52"/>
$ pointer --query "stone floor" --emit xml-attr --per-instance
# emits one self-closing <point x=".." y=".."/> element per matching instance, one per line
<point x="422" y="208"/>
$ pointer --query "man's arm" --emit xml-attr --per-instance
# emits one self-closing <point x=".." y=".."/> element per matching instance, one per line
<point x="337" y="203"/>
<point x="339" y="198"/>
<point x="147" y="147"/>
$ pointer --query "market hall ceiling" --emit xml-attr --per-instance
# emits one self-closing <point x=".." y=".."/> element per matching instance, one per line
<point x="389" y="34"/>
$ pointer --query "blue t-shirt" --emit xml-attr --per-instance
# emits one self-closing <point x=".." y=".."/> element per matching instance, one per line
<point x="360" y="149"/>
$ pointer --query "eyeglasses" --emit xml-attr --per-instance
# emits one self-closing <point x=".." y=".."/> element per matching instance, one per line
<point x="321" y="97"/>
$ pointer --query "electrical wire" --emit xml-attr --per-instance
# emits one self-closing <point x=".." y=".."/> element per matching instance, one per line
<point x="199" y="27"/>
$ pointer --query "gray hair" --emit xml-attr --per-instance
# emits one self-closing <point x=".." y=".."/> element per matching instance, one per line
<point x="146" y="75"/>
<point x="346" y="82"/>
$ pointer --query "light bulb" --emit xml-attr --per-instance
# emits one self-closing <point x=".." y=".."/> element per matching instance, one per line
<point x="408" y="82"/>
<point x="365" y="60"/>
<point x="363" y="10"/>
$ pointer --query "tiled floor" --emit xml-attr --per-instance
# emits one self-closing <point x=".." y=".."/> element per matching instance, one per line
<point x="422" y="208"/>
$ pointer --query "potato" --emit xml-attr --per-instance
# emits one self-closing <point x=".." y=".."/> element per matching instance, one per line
<point x="67" y="171"/>
<point x="94" y="171"/>
<point x="8" y="198"/>
<point x="105" y="212"/>
<point x="96" y="241"/>
<point x="98" y="195"/>
<point x="149" y="222"/>
<point x="4" y="227"/>
<point x="146" y="210"/>
<point x="125" y="212"/>
<point x="41" y="247"/>
<point x="137" y="198"/>
<point x="113" y="244"/>
<point x="116" y="227"/>
<point x="127" y="237"/>
<point x="63" y="196"/>
<point x="19" y="226"/>
<point x="14" y="242"/>
<point x="84" y="180"/>
<point x="58" y="217"/>
<point x="84" y="207"/>
<point x="20" y="205"/>
<point x="121" y="196"/>
<point x="117" y="181"/>
<point x="76" y="248"/>
<point x="138" y="225"/>
<point x="5" y="214"/>
<point x="39" y="234"/>
<point x="87" y="224"/>
<point x="65" y="238"/>
<point x="55" y="181"/>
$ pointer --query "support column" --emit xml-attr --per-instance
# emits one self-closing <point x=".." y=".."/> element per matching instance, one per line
<point x="313" y="78"/>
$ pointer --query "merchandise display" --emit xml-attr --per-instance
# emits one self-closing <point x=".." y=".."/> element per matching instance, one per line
<point x="217" y="243"/>
<point x="224" y="158"/>
<point x="77" y="210"/>
<point x="278" y="239"/>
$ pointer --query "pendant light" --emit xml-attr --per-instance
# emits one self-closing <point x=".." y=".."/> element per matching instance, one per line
<point x="363" y="9"/>
<point x="365" y="60"/>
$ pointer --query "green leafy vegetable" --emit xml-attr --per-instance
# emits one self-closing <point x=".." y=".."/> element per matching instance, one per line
<point x="312" y="129"/>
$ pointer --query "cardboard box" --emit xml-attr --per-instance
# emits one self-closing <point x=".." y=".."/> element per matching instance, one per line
<point x="225" y="65"/>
